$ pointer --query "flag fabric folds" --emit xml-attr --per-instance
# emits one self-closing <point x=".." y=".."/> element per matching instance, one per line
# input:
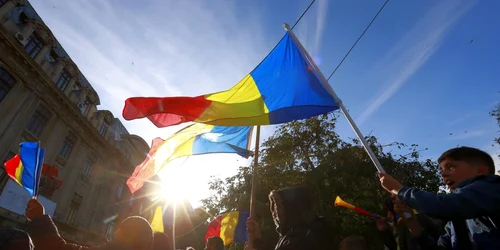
<point x="284" y="87"/>
<point x="231" y="227"/>
<point x="157" y="221"/>
<point x="26" y="167"/>
<point x="196" y="139"/>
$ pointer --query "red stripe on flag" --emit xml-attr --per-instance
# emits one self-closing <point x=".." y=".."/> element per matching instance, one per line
<point x="213" y="229"/>
<point x="165" y="111"/>
<point x="146" y="169"/>
<point x="12" y="165"/>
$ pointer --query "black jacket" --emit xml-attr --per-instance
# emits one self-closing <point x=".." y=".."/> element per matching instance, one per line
<point x="302" y="229"/>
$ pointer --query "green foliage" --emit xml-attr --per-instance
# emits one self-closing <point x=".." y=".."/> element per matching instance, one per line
<point x="496" y="114"/>
<point x="310" y="153"/>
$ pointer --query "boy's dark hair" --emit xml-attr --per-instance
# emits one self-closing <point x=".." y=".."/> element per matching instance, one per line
<point x="470" y="155"/>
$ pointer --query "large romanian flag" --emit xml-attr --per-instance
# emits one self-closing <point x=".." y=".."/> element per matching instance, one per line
<point x="284" y="87"/>
<point x="26" y="167"/>
<point x="196" y="139"/>
<point x="230" y="227"/>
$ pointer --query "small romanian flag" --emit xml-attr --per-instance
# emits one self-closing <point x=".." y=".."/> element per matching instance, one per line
<point x="26" y="167"/>
<point x="157" y="221"/>
<point x="230" y="227"/>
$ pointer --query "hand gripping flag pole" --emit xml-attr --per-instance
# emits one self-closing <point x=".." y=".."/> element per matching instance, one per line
<point x="370" y="152"/>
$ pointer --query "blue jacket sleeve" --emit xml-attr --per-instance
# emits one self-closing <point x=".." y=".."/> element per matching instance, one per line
<point x="474" y="200"/>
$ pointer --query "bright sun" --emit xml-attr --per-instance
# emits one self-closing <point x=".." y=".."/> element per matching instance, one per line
<point x="176" y="185"/>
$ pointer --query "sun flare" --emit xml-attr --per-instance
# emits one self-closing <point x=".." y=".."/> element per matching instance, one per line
<point x="177" y="185"/>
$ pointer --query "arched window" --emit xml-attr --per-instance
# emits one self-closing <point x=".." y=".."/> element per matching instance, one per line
<point x="7" y="81"/>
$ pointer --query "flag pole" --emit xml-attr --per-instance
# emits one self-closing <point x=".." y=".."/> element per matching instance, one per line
<point x="254" y="184"/>
<point x="37" y="178"/>
<point x="324" y="81"/>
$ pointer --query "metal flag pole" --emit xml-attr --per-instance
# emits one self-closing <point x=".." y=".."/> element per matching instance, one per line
<point x="37" y="171"/>
<point x="325" y="83"/>
<point x="254" y="182"/>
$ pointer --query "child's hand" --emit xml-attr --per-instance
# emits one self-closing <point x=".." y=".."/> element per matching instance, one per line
<point x="389" y="183"/>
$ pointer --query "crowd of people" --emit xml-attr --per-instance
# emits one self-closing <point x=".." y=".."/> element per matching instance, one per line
<point x="413" y="219"/>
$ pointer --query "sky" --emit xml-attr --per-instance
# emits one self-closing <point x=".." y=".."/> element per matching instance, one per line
<point x="425" y="73"/>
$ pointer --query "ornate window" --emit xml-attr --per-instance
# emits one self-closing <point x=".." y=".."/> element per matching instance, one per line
<point x="74" y="206"/>
<point x="33" y="46"/>
<point x="38" y="121"/>
<point x="62" y="82"/>
<point x="68" y="144"/>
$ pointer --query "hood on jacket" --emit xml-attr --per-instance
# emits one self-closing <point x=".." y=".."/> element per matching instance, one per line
<point x="292" y="205"/>
<point x="12" y="238"/>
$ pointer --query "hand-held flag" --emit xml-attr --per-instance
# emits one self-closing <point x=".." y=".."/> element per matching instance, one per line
<point x="26" y="167"/>
<point x="284" y="87"/>
<point x="231" y="227"/>
<point x="196" y="139"/>
<point x="340" y="203"/>
<point x="157" y="221"/>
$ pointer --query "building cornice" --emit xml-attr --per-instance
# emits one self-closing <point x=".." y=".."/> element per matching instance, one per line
<point x="70" y="114"/>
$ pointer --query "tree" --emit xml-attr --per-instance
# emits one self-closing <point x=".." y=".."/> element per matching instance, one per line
<point x="310" y="153"/>
<point x="496" y="114"/>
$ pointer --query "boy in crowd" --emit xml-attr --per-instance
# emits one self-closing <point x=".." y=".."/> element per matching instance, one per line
<point x="472" y="208"/>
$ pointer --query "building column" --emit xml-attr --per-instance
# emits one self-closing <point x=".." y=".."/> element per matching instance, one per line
<point x="38" y="58"/>
<point x="70" y="86"/>
<point x="57" y="70"/>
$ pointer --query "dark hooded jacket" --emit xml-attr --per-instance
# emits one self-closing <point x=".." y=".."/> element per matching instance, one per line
<point x="45" y="236"/>
<point x="301" y="228"/>
<point x="15" y="239"/>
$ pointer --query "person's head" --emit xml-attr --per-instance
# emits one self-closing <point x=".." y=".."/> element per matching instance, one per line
<point x="214" y="243"/>
<point x="460" y="164"/>
<point x="354" y="243"/>
<point x="190" y="248"/>
<point x="135" y="232"/>
<point x="289" y="203"/>
<point x="14" y="239"/>
<point x="161" y="241"/>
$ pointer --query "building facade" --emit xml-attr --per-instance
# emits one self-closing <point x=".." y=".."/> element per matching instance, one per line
<point x="44" y="97"/>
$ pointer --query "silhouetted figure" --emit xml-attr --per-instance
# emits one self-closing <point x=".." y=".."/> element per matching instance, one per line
<point x="214" y="243"/>
<point x="134" y="233"/>
<point x="15" y="239"/>
<point x="161" y="241"/>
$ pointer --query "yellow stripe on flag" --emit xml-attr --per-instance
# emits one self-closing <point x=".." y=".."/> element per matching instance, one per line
<point x="157" y="222"/>
<point x="19" y="173"/>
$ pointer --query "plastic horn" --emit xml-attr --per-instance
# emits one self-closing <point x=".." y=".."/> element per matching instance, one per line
<point x="340" y="203"/>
